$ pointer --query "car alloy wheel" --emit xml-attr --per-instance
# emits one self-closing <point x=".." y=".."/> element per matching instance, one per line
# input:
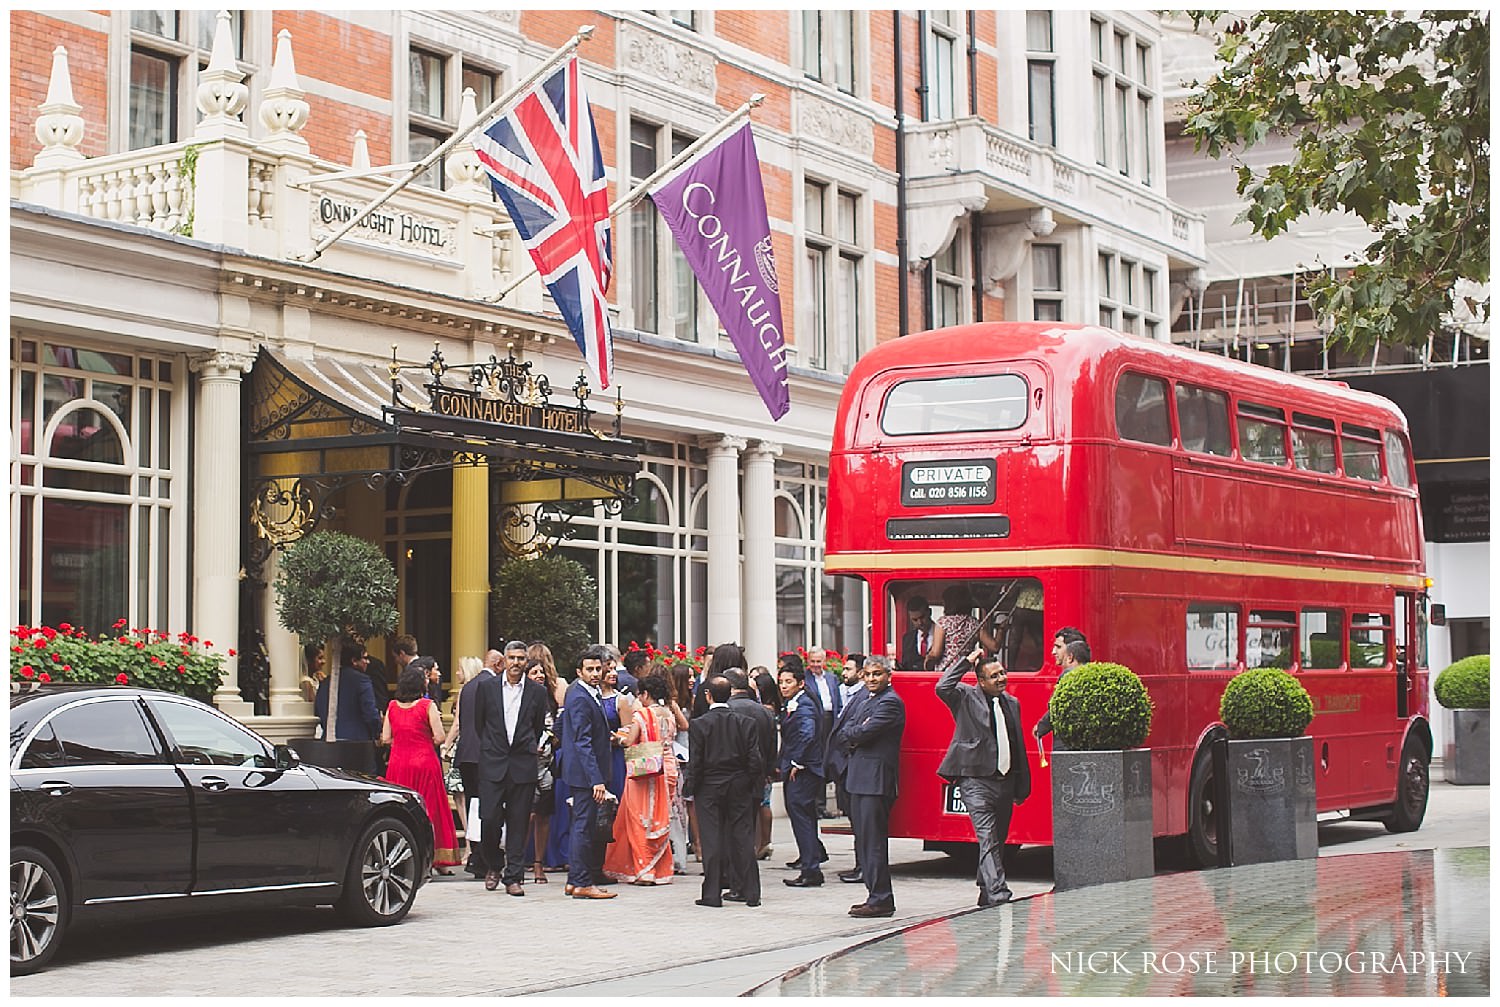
<point x="382" y="879"/>
<point x="38" y="911"/>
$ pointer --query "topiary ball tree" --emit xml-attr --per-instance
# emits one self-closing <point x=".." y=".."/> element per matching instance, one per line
<point x="1265" y="703"/>
<point x="333" y="586"/>
<point x="1465" y="684"/>
<point x="550" y="598"/>
<point x="1100" y="706"/>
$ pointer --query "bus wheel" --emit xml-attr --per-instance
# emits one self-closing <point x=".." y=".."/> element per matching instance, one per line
<point x="1411" y="789"/>
<point x="1203" y="817"/>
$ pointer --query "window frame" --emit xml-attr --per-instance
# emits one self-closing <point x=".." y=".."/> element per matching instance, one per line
<point x="1125" y="98"/>
<point x="826" y="255"/>
<point x="1038" y="59"/>
<point x="663" y="287"/>
<point x="187" y="54"/>
<point x="455" y="64"/>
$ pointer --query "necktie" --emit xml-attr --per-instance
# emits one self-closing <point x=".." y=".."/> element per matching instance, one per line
<point x="1002" y="740"/>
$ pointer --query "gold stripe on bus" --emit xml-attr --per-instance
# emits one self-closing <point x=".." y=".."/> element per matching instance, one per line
<point x="1030" y="559"/>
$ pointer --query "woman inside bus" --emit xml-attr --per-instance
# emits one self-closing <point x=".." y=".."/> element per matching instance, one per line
<point x="956" y="631"/>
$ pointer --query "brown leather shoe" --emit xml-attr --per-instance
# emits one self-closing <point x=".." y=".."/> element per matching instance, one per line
<point x="591" y="892"/>
<point x="568" y="889"/>
<point x="491" y="880"/>
<point x="514" y="889"/>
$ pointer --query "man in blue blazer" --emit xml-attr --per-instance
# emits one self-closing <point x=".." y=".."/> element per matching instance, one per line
<point x="836" y="764"/>
<point x="586" y="756"/>
<point x="802" y="772"/>
<point x="359" y="717"/>
<point x="874" y="740"/>
<point x="986" y="761"/>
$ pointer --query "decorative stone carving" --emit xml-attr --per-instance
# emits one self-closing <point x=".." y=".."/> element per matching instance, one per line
<point x="1064" y="177"/>
<point x="221" y="97"/>
<point x="840" y="127"/>
<point x="282" y="110"/>
<point x="222" y="365"/>
<point x="1007" y="155"/>
<point x="933" y="226"/>
<point x="942" y="149"/>
<point x="465" y="173"/>
<point x="1003" y="248"/>
<point x="59" y="127"/>
<point x="361" y="156"/>
<point x="667" y="62"/>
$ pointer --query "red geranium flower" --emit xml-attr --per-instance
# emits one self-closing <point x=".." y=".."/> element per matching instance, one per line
<point x="40" y="644"/>
<point x="139" y="645"/>
<point x="26" y="671"/>
<point x="56" y="656"/>
<point x="64" y="627"/>
<point x="231" y="651"/>
<point x="182" y="669"/>
<point x="44" y="677"/>
<point x="49" y="632"/>
<point x="122" y="679"/>
<point x="208" y="643"/>
<point x="67" y="667"/>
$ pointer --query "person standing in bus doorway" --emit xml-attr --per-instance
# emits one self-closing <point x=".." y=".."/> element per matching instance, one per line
<point x="1073" y="653"/>
<point x="986" y="761"/>
<point x="802" y="773"/>
<point x="874" y="740"/>
<point x="915" y="641"/>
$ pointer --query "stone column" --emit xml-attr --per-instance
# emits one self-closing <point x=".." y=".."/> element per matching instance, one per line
<point x="471" y="563"/>
<point x="760" y="553"/>
<point x="723" y="538"/>
<point x="220" y="510"/>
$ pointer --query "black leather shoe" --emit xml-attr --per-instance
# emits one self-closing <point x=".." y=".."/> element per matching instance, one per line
<point x="852" y="877"/>
<point x="804" y="880"/>
<point x="794" y="864"/>
<point x="867" y="912"/>
<point x="710" y="905"/>
<point x="733" y="897"/>
<point x="754" y="904"/>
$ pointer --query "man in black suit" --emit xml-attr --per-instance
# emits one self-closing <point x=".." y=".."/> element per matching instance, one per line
<point x="726" y="761"/>
<point x="874" y="739"/>
<point x="744" y="812"/>
<point x="987" y="761"/>
<point x="510" y="714"/>
<point x="836" y="766"/>
<point x="466" y="751"/>
<point x="916" y="640"/>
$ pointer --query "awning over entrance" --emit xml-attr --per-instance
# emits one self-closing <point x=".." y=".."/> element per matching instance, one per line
<point x="333" y="422"/>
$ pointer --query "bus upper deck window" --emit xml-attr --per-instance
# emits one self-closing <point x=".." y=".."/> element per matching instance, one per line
<point x="1262" y="434"/>
<point x="1397" y="459"/>
<point x="1361" y="446"/>
<point x="1141" y="409"/>
<point x="1313" y="443"/>
<point x="1203" y="418"/>
<point x="958" y="404"/>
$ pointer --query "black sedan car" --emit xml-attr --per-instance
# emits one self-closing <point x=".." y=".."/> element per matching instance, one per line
<point x="127" y="801"/>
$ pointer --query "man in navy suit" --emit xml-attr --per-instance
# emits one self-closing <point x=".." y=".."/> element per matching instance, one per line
<point x="510" y="714"/>
<point x="836" y="765"/>
<point x="359" y="717"/>
<point x="466" y="751"/>
<point x="586" y="753"/>
<point x="874" y="741"/>
<point x="802" y="772"/>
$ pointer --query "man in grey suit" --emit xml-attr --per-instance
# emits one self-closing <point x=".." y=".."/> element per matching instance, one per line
<point x="987" y="760"/>
<point x="873" y="735"/>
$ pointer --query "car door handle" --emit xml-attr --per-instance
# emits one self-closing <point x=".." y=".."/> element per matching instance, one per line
<point x="56" y="788"/>
<point x="214" y="783"/>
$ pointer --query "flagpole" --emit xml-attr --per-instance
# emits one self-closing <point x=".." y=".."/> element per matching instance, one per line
<point x="459" y="136"/>
<point x="640" y="188"/>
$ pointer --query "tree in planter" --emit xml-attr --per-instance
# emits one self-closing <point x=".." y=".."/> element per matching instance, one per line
<point x="1265" y="703"/>
<point x="333" y="586"/>
<point x="1100" y="706"/>
<point x="550" y="598"/>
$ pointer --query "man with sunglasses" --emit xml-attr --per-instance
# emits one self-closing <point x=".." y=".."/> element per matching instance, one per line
<point x="986" y="761"/>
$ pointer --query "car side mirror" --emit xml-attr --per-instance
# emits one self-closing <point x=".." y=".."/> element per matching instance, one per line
<point x="286" y="758"/>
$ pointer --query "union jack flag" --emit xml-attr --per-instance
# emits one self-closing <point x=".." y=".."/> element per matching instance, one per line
<point x="542" y="157"/>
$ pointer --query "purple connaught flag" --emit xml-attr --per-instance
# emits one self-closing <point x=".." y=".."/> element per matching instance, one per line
<point x="716" y="208"/>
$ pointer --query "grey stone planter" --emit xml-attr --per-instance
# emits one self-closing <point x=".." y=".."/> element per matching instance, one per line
<point x="1466" y="748"/>
<point x="1273" y="800"/>
<point x="1101" y="817"/>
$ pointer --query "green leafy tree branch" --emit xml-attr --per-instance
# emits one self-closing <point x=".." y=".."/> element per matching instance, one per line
<point x="1389" y="112"/>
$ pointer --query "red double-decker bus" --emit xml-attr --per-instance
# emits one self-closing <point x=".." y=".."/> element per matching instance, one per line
<point x="1191" y="514"/>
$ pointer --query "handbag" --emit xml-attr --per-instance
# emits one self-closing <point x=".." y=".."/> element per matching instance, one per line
<point x="604" y="821"/>
<point x="644" y="758"/>
<point x="453" y="780"/>
<point x="544" y="762"/>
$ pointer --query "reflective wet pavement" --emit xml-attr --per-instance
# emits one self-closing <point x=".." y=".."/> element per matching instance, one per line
<point x="1413" y="923"/>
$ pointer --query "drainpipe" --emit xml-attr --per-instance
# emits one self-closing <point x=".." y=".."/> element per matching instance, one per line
<point x="973" y="69"/>
<point x="902" y="307"/>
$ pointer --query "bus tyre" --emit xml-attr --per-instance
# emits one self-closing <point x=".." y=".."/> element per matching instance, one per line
<point x="38" y="910"/>
<point x="1411" y="789"/>
<point x="382" y="880"/>
<point x="1203" y="817"/>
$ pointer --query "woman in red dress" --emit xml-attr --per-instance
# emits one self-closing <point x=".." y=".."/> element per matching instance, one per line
<point x="413" y="728"/>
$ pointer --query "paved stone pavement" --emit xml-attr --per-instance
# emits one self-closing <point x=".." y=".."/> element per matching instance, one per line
<point x="1413" y="923"/>
<point x="548" y="943"/>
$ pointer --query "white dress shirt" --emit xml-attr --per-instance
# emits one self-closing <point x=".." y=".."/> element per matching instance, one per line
<point x="511" y="694"/>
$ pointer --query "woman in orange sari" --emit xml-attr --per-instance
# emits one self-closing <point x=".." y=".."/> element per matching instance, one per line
<point x="641" y="851"/>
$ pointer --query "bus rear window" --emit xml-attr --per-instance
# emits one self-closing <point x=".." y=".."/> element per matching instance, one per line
<point x="1361" y="447"/>
<point x="955" y="405"/>
<point x="1141" y="409"/>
